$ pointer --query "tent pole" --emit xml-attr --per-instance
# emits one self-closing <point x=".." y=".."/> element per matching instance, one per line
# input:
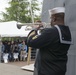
<point x="0" y="48"/>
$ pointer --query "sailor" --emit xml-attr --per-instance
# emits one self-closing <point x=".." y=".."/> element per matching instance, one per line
<point x="53" y="44"/>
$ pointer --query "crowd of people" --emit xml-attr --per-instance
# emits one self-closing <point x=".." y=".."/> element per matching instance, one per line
<point x="13" y="50"/>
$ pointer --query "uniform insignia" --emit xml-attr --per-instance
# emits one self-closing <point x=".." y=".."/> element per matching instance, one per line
<point x="34" y="37"/>
<point x="32" y="33"/>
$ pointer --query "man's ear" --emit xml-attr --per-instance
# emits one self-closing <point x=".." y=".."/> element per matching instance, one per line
<point x="54" y="19"/>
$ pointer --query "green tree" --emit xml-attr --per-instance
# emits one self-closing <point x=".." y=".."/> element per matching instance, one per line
<point x="19" y="10"/>
<point x="35" y="8"/>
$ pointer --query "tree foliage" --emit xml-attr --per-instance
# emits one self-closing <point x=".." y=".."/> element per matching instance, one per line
<point x="19" y="10"/>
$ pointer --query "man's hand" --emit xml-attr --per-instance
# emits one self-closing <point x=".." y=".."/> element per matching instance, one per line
<point x="39" y="25"/>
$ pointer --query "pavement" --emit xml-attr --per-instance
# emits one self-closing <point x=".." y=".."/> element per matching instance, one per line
<point x="8" y="69"/>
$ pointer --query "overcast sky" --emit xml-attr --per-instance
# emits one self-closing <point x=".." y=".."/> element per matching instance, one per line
<point x="4" y="3"/>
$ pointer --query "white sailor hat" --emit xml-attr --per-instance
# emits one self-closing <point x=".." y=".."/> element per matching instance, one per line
<point x="57" y="10"/>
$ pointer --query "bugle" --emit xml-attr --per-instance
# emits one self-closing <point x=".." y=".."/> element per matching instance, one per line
<point x="19" y="25"/>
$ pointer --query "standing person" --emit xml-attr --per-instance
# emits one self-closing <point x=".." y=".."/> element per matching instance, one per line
<point x="37" y="57"/>
<point x="12" y="50"/>
<point x="2" y="50"/>
<point x="9" y="50"/>
<point x="53" y="45"/>
<point x="19" y="48"/>
<point x="23" y="52"/>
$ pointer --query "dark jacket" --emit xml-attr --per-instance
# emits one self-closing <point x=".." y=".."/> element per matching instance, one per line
<point x="52" y="51"/>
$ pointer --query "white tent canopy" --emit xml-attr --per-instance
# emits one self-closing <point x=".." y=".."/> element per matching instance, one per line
<point x="9" y="29"/>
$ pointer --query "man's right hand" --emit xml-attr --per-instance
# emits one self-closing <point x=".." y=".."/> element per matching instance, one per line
<point x="38" y="26"/>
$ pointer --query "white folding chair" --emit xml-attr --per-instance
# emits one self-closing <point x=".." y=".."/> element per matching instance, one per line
<point x="5" y="57"/>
